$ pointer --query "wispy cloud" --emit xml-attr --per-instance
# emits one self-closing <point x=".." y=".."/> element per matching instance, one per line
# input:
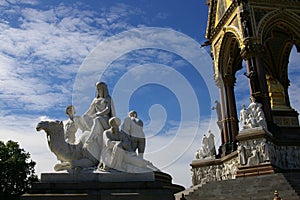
<point x="294" y="73"/>
<point x="42" y="48"/>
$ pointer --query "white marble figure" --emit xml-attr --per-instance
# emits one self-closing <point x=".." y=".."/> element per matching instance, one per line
<point x="244" y="117"/>
<point x="70" y="126"/>
<point x="217" y="107"/>
<point x="203" y="151"/>
<point x="100" y="111"/>
<point x="264" y="151"/>
<point x="254" y="157"/>
<point x="71" y="155"/>
<point x="207" y="149"/>
<point x="260" y="116"/>
<point x="73" y="124"/>
<point x="218" y="173"/>
<point x="211" y="144"/>
<point x="133" y="126"/>
<point x="114" y="154"/>
<point x="241" y="154"/>
<point x="253" y="116"/>
<point x="102" y="143"/>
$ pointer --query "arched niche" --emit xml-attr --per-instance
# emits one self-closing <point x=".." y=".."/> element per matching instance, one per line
<point x="279" y="32"/>
<point x="229" y="62"/>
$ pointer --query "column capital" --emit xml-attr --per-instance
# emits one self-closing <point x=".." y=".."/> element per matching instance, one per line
<point x="251" y="48"/>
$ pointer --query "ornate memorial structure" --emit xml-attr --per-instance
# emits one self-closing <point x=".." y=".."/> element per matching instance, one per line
<point x="106" y="163"/>
<point x="260" y="144"/>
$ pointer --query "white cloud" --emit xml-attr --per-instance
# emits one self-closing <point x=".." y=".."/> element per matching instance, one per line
<point x="31" y="2"/>
<point x="294" y="73"/>
<point x="41" y="50"/>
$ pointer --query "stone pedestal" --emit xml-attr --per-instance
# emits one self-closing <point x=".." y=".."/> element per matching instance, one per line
<point x="104" y="186"/>
<point x="211" y="170"/>
<point x="254" y="152"/>
<point x="286" y="118"/>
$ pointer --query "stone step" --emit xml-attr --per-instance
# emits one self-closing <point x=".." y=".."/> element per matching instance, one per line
<point x="186" y="192"/>
<point x="259" y="187"/>
<point x="258" y="196"/>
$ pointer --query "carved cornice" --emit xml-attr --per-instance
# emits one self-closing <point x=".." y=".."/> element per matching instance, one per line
<point x="201" y="163"/>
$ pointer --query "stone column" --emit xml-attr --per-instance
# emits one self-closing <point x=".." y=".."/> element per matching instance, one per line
<point x="231" y="120"/>
<point x="264" y="95"/>
<point x="224" y="130"/>
<point x="257" y="77"/>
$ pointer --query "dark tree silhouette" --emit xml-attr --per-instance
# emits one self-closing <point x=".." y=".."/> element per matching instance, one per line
<point x="16" y="171"/>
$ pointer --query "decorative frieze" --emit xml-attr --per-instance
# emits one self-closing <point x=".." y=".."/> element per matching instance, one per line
<point x="260" y="151"/>
<point x="216" y="170"/>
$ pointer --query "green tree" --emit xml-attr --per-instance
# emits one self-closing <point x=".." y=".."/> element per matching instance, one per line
<point x="16" y="171"/>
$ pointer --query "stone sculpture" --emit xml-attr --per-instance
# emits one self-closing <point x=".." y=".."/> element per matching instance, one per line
<point x="100" y="111"/>
<point x="241" y="154"/>
<point x="217" y="107"/>
<point x="259" y="151"/>
<point x="224" y="171"/>
<point x="70" y="155"/>
<point x="70" y="126"/>
<point x="211" y="144"/>
<point x="244" y="117"/>
<point x="117" y="152"/>
<point x="102" y="143"/>
<point x="254" y="157"/>
<point x="253" y="116"/>
<point x="133" y="126"/>
<point x="207" y="149"/>
<point x="73" y="124"/>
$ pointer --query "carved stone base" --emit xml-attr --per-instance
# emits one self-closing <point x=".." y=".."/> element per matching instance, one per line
<point x="259" y="151"/>
<point x="256" y="170"/>
<point x="211" y="170"/>
<point x="104" y="186"/>
<point x="253" y="133"/>
<point x="287" y="118"/>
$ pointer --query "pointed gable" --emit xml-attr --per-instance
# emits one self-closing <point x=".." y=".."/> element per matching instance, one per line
<point x="217" y="8"/>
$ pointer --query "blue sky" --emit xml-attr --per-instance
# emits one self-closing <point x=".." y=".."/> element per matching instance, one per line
<point x="148" y="52"/>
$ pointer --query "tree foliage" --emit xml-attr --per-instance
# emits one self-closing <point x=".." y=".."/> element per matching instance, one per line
<point x="16" y="171"/>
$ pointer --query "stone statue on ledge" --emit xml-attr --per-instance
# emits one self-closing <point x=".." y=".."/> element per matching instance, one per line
<point x="217" y="107"/>
<point x="208" y="149"/>
<point x="102" y="143"/>
<point x="253" y="116"/>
